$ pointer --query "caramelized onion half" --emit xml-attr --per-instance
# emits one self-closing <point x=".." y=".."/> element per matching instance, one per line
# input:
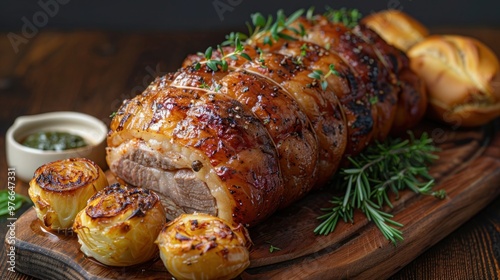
<point x="120" y="224"/>
<point x="60" y="189"/>
<point x="200" y="246"/>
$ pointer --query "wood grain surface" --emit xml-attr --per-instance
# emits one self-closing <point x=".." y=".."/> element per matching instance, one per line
<point x="92" y="72"/>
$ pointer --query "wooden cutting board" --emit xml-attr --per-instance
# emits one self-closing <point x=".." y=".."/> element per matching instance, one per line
<point x="468" y="169"/>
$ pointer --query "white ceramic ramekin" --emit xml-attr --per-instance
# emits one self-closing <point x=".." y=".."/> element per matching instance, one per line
<point x="26" y="160"/>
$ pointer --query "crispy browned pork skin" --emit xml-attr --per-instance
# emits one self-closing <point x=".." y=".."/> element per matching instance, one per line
<point x="242" y="143"/>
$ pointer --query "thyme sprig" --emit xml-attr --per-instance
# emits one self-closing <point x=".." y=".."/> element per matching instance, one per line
<point x="261" y="58"/>
<point x="348" y="17"/>
<point x="320" y="76"/>
<point x="270" y="30"/>
<point x="231" y="38"/>
<point x="298" y="60"/>
<point x="215" y="64"/>
<point x="393" y="165"/>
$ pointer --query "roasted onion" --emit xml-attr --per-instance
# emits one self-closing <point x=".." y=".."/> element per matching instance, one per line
<point x="60" y="189"/>
<point x="120" y="224"/>
<point x="200" y="246"/>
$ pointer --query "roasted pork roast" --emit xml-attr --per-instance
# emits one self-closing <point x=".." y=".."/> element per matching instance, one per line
<point x="240" y="144"/>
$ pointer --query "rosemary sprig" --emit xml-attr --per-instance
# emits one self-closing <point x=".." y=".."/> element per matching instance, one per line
<point x="393" y="165"/>
<point x="321" y="77"/>
<point x="348" y="17"/>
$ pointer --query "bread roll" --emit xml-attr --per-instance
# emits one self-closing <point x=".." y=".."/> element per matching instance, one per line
<point x="396" y="28"/>
<point x="461" y="74"/>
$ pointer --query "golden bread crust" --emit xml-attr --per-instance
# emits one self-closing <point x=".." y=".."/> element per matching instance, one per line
<point x="396" y="28"/>
<point x="461" y="74"/>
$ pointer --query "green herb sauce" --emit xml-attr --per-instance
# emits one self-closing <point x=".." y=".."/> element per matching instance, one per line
<point x="54" y="141"/>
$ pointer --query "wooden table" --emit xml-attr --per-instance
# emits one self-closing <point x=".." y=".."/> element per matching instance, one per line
<point x="92" y="72"/>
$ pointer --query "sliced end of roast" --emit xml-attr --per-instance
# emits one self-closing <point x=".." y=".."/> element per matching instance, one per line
<point x="181" y="179"/>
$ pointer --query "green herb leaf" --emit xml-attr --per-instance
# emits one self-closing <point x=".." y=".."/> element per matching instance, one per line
<point x="324" y="85"/>
<point x="293" y="17"/>
<point x="258" y="20"/>
<point x="246" y="56"/>
<point x="310" y="13"/>
<point x="272" y="248"/>
<point x="316" y="74"/>
<point x="221" y="51"/>
<point x="212" y="64"/>
<point x="208" y="53"/>
<point x="286" y="37"/>
<point x="224" y="65"/>
<point x="204" y="85"/>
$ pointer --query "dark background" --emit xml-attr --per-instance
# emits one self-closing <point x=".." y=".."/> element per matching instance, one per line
<point x="154" y="15"/>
